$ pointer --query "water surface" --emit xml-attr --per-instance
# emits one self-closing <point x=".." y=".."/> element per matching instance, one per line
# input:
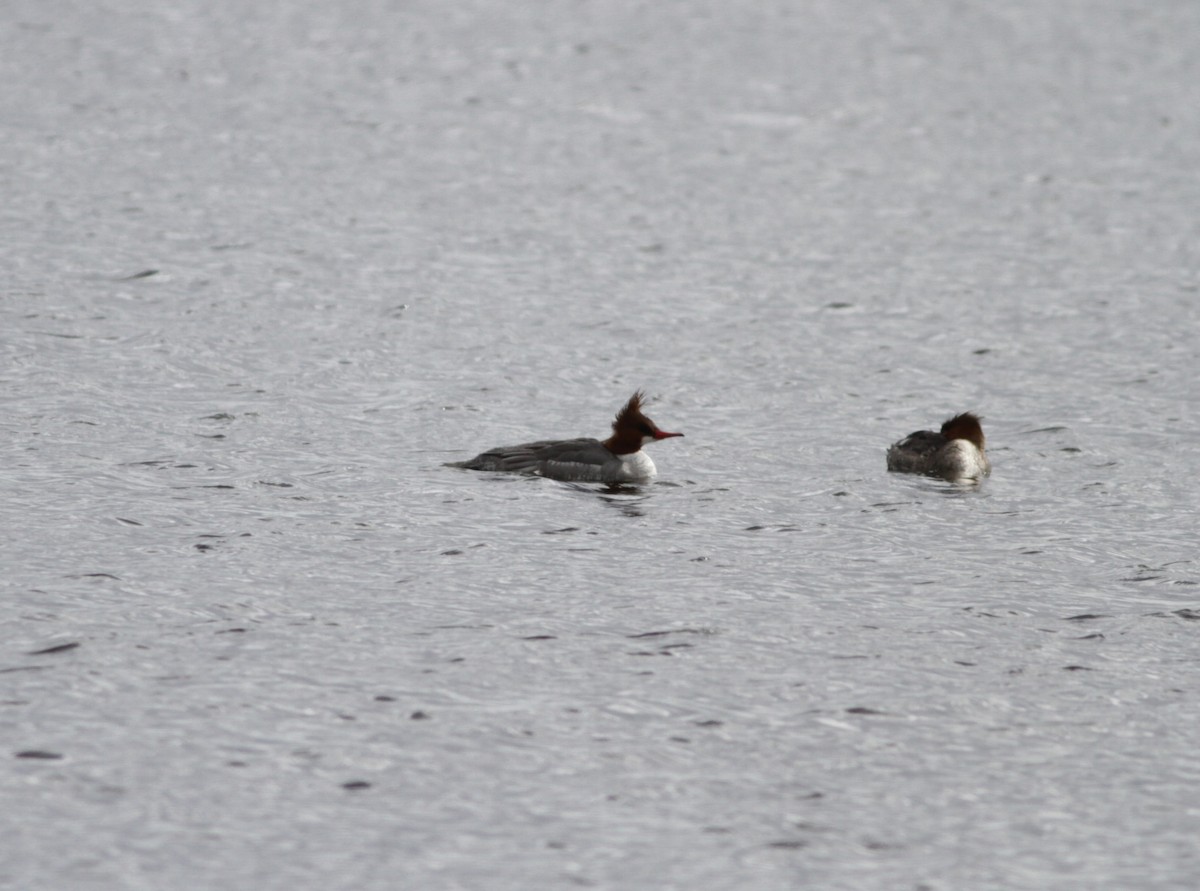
<point x="266" y="269"/>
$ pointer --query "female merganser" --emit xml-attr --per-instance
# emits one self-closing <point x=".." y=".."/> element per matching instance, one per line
<point x="618" y="459"/>
<point x="954" y="453"/>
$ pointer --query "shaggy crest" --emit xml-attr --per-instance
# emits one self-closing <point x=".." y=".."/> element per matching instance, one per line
<point x="965" y="426"/>
<point x="631" y="428"/>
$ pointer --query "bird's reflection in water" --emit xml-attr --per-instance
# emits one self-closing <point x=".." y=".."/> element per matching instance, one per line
<point x="626" y="498"/>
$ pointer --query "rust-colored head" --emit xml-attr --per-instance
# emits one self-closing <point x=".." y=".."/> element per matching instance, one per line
<point x="965" y="426"/>
<point x="632" y="429"/>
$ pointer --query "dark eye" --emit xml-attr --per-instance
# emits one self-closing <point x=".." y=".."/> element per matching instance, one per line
<point x="646" y="429"/>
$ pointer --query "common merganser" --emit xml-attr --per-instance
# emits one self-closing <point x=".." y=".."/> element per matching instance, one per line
<point x="618" y="459"/>
<point x="956" y="452"/>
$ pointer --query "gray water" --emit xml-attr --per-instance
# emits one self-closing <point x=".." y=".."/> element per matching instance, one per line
<point x="267" y="266"/>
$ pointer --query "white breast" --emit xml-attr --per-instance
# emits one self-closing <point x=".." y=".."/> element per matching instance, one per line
<point x="637" y="466"/>
<point x="963" y="460"/>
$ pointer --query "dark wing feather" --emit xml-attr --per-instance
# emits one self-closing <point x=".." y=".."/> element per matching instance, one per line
<point x="531" y="457"/>
<point x="911" y="454"/>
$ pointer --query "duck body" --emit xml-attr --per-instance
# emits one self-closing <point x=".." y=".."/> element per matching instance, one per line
<point x="955" y="452"/>
<point x="618" y="459"/>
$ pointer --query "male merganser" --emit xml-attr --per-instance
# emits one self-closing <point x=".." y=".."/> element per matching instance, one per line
<point x="954" y="453"/>
<point x="618" y="459"/>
